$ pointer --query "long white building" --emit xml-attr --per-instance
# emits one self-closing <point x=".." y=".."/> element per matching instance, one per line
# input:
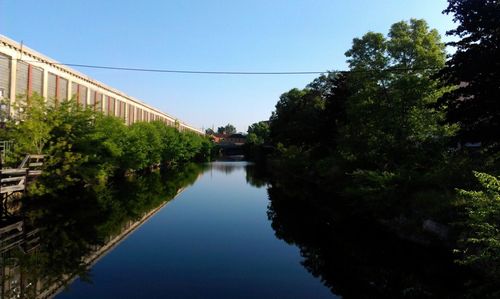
<point x="24" y="71"/>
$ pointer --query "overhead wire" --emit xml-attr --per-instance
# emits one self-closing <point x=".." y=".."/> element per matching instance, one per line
<point x="182" y="71"/>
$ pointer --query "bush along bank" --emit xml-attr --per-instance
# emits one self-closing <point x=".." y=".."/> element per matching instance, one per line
<point x="384" y="141"/>
<point x="85" y="147"/>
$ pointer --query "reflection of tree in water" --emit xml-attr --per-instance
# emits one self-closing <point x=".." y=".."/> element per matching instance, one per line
<point x="16" y="241"/>
<point x="355" y="259"/>
<point x="76" y="222"/>
<point x="227" y="167"/>
<point x="255" y="175"/>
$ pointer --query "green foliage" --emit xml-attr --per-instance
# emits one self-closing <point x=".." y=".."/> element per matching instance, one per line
<point x="111" y="143"/>
<point x="190" y="144"/>
<point x="257" y="144"/>
<point x="230" y="129"/>
<point x="478" y="245"/>
<point x="209" y="131"/>
<point x="480" y="239"/>
<point x="71" y="149"/>
<point x="371" y="182"/>
<point x="32" y="129"/>
<point x="258" y="133"/>
<point x="382" y="136"/>
<point x="378" y="115"/>
<point x="171" y="144"/>
<point x="76" y="221"/>
<point x="374" y="135"/>
<point x="391" y="86"/>
<point x="84" y="147"/>
<point x="227" y="129"/>
<point x="475" y="68"/>
<point x="144" y="146"/>
<point x="295" y="120"/>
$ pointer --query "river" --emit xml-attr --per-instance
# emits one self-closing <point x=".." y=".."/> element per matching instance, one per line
<point x="213" y="240"/>
<point x="216" y="230"/>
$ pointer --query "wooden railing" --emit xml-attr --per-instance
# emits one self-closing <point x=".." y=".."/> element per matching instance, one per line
<point x="15" y="180"/>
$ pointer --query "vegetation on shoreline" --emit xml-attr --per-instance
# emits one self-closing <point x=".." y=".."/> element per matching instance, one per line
<point x="83" y="198"/>
<point x="84" y="147"/>
<point x="387" y="139"/>
<point x="74" y="223"/>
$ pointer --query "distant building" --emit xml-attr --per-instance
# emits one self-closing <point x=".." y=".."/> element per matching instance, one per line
<point x="217" y="138"/>
<point x="236" y="139"/>
<point x="229" y="139"/>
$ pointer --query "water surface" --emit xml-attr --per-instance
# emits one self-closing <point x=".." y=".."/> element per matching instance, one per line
<point x="213" y="241"/>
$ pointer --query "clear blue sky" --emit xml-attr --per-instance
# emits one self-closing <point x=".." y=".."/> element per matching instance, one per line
<point x="230" y="35"/>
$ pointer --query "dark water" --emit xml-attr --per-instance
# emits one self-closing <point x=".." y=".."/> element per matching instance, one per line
<point x="213" y="241"/>
<point x="232" y="232"/>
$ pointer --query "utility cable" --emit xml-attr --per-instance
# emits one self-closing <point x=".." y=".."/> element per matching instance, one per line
<point x="154" y="70"/>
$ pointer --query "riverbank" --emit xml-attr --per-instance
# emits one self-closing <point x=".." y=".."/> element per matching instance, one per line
<point x="101" y="251"/>
<point x="79" y="226"/>
<point x="322" y="205"/>
<point x="214" y="241"/>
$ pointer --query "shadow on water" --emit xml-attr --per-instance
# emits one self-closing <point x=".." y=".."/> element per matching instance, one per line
<point x="355" y="259"/>
<point x="56" y="237"/>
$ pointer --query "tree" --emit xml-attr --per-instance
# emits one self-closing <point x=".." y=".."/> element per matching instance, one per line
<point x="333" y="89"/>
<point x="209" y="131"/>
<point x="480" y="234"/>
<point x="475" y="69"/>
<point x="258" y="133"/>
<point x="295" y="120"/>
<point x="229" y="129"/>
<point x="391" y="89"/>
<point x="31" y="128"/>
<point x="310" y="118"/>
<point x="73" y="150"/>
<point x="107" y="142"/>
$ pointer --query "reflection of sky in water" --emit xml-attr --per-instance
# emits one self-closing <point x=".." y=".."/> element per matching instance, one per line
<point x="213" y="241"/>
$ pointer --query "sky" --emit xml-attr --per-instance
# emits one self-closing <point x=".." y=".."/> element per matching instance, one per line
<point x="230" y="35"/>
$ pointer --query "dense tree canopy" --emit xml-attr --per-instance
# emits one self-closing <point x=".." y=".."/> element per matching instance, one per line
<point x="391" y="88"/>
<point x="294" y="122"/>
<point x="86" y="147"/>
<point x="227" y="129"/>
<point x="333" y="89"/>
<point x="209" y="131"/>
<point x="377" y="112"/>
<point x="379" y="139"/>
<point x="258" y="133"/>
<point x="475" y="69"/>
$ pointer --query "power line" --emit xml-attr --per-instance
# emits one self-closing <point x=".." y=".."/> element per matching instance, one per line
<point x="192" y="71"/>
<point x="241" y="72"/>
<point x="154" y="70"/>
